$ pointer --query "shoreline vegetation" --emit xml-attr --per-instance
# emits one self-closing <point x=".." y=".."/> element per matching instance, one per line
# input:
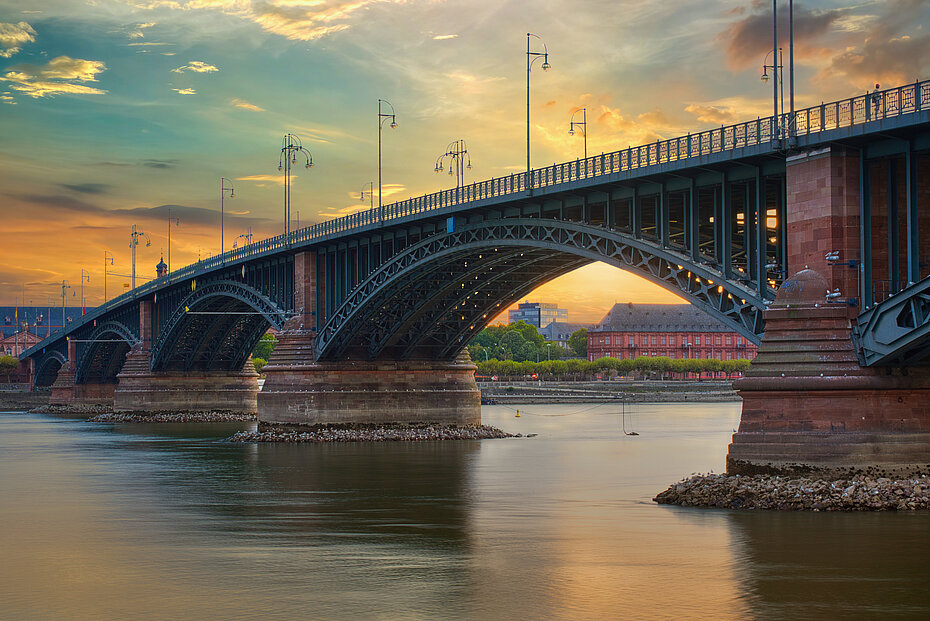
<point x="862" y="492"/>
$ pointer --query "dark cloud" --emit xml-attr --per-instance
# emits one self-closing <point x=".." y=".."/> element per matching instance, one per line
<point x="188" y="215"/>
<point x="149" y="163"/>
<point x="87" y="188"/>
<point x="750" y="38"/>
<point x="58" y="201"/>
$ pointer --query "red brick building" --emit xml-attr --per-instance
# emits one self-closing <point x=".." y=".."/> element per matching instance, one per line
<point x="672" y="330"/>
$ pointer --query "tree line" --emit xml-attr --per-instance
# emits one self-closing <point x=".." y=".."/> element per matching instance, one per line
<point x="577" y="369"/>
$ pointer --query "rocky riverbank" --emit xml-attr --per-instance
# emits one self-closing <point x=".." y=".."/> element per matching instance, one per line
<point x="651" y="391"/>
<point x="73" y="409"/>
<point x="172" y="417"/>
<point x="858" y="493"/>
<point x="373" y="434"/>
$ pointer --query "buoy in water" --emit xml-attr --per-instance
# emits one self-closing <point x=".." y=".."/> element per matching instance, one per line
<point x="517" y="415"/>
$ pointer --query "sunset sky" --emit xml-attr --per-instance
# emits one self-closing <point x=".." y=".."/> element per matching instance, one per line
<point x="112" y="112"/>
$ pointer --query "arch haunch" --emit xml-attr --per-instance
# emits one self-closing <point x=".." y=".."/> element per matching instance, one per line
<point x="48" y="367"/>
<point x="102" y="355"/>
<point x="430" y="300"/>
<point x="215" y="328"/>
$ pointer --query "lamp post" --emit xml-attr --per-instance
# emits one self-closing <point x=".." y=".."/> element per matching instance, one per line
<point x="583" y="124"/>
<point x="548" y="356"/>
<point x="291" y="147"/>
<point x="777" y="68"/>
<point x="223" y="191"/>
<point x="107" y="260"/>
<point x="382" y="119"/>
<point x="85" y="277"/>
<point x="133" y="242"/>
<point x="371" y="194"/>
<point x="459" y="161"/>
<point x="177" y="222"/>
<point x="532" y="57"/>
<point x="64" y="287"/>
<point x="246" y="236"/>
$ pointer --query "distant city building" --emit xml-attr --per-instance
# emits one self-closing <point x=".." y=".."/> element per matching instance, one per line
<point x="21" y="327"/>
<point x="559" y="331"/>
<point x="673" y="330"/>
<point x="538" y="314"/>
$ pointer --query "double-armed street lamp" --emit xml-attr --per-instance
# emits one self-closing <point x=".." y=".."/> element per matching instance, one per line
<point x="532" y="57"/>
<point x="459" y="161"/>
<point x="382" y="119"/>
<point x="583" y="124"/>
<point x="223" y="190"/>
<point x="133" y="242"/>
<point x="291" y="148"/>
<point x="777" y="68"/>
<point x="64" y="287"/>
<point x="246" y="236"/>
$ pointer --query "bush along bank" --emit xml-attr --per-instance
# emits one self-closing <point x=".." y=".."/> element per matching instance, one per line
<point x="775" y="492"/>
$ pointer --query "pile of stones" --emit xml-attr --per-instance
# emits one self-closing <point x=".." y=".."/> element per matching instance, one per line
<point x="373" y="434"/>
<point x="857" y="493"/>
<point x="173" y="417"/>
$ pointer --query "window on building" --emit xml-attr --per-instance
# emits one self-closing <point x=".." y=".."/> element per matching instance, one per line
<point x="662" y="340"/>
<point x="671" y="340"/>
<point x="729" y="355"/>
<point x="654" y="339"/>
<point x="729" y="340"/>
<point x="671" y="355"/>
<point x="719" y="356"/>
<point x="697" y="339"/>
<point x="718" y="340"/>
<point x="632" y="341"/>
<point x="645" y="340"/>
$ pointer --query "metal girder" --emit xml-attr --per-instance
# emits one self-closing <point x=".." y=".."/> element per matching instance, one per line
<point x="101" y="357"/>
<point x="405" y="279"/>
<point x="236" y="315"/>
<point x="896" y="332"/>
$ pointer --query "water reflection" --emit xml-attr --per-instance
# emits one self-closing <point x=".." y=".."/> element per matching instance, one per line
<point x="833" y="565"/>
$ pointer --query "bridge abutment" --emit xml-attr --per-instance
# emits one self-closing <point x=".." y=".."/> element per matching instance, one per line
<point x="301" y="392"/>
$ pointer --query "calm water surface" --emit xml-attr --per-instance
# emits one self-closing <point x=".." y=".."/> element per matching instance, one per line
<point x="101" y="521"/>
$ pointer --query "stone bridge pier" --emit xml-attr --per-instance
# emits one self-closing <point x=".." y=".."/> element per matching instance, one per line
<point x="65" y="392"/>
<point x="807" y="403"/>
<point x="301" y="391"/>
<point x="140" y="389"/>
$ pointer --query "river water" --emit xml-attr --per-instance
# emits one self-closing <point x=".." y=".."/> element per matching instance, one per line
<point x="104" y="521"/>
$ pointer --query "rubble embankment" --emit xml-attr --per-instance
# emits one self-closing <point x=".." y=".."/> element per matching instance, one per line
<point x="218" y="416"/>
<point x="776" y="492"/>
<point x="427" y="433"/>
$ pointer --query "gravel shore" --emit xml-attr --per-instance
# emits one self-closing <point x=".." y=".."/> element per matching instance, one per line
<point x="858" y="493"/>
<point x="173" y="417"/>
<point x="375" y="434"/>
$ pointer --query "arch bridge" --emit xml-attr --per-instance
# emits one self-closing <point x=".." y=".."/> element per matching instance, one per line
<point x="374" y="309"/>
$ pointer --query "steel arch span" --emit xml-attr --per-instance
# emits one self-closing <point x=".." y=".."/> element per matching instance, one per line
<point x="48" y="367"/>
<point x="215" y="328"/>
<point x="428" y="301"/>
<point x="103" y="354"/>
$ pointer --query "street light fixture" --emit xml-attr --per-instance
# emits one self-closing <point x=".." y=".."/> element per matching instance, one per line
<point x="246" y="236"/>
<point x="133" y="242"/>
<point x="459" y="161"/>
<point x="177" y="222"/>
<point x="371" y="194"/>
<point x="64" y="287"/>
<point x="777" y="68"/>
<point x="382" y="119"/>
<point x="291" y="147"/>
<point x="223" y="190"/>
<point x="583" y="124"/>
<point x="532" y="57"/>
<point x="107" y="260"/>
<point x="85" y="277"/>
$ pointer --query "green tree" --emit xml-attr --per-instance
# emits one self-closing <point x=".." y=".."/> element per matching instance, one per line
<point x="259" y="364"/>
<point x="264" y="347"/>
<point x="578" y="341"/>
<point x="8" y="364"/>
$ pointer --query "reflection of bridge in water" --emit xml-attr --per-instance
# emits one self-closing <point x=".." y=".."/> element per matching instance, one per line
<point x="375" y="308"/>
